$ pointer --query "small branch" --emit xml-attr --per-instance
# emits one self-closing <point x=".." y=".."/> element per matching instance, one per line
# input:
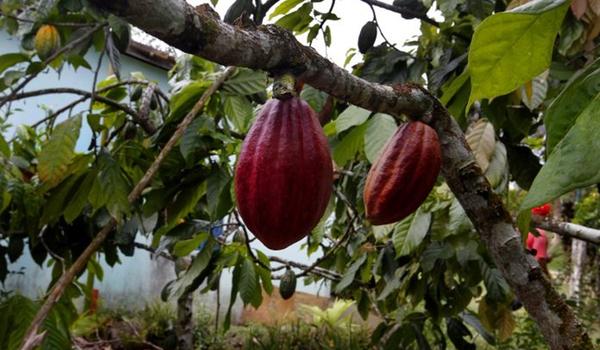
<point x="337" y="244"/>
<point x="328" y="274"/>
<point x="402" y="11"/>
<point x="568" y="229"/>
<point x="145" y="105"/>
<point x="52" y="57"/>
<point x="153" y="251"/>
<point x="58" y="24"/>
<point x="144" y="123"/>
<point x="67" y="278"/>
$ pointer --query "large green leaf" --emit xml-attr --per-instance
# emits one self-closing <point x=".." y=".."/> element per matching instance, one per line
<point x="574" y="162"/>
<point x="568" y="105"/>
<point x="410" y="232"/>
<point x="183" y="101"/>
<point x="218" y="193"/>
<point x="284" y="7"/>
<point x="58" y="152"/>
<point x="246" y="82"/>
<point x="4" y="147"/>
<point x="250" y="290"/>
<point x="111" y="187"/>
<point x="239" y="112"/>
<point x="10" y="59"/>
<point x="185" y="202"/>
<point x="187" y="246"/>
<point x="80" y="198"/>
<point x="350" y="273"/>
<point x="200" y="263"/>
<point x="510" y="48"/>
<point x="345" y="149"/>
<point x="379" y="130"/>
<point x="350" y="117"/>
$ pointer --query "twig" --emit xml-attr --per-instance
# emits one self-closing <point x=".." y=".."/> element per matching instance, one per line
<point x="68" y="277"/>
<point x="402" y="11"/>
<point x="331" y="275"/>
<point x="92" y="99"/>
<point x="337" y="244"/>
<point x="247" y="241"/>
<point x="153" y="251"/>
<point x="146" y="102"/>
<point x="52" y="57"/>
<point x="145" y="124"/>
<point x="58" y="24"/>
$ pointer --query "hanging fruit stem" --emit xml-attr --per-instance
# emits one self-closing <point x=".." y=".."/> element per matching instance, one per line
<point x="284" y="87"/>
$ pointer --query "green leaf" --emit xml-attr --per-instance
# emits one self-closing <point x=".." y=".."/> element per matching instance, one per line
<point x="185" y="202"/>
<point x="183" y="101"/>
<point x="315" y="98"/>
<point x="10" y="59"/>
<point x="284" y="7"/>
<point x="79" y="200"/>
<point x="4" y="147"/>
<point x="110" y="188"/>
<point x="350" y="117"/>
<point x="574" y="162"/>
<point x="58" y="152"/>
<point x="264" y="274"/>
<point x="410" y="232"/>
<point x="524" y="165"/>
<point x="200" y="263"/>
<point x="435" y="251"/>
<point x="187" y="246"/>
<point x="345" y="149"/>
<point x="510" y="48"/>
<point x="379" y="130"/>
<point x="250" y="290"/>
<point x="218" y="193"/>
<point x="497" y="287"/>
<point x="246" y="82"/>
<point x="240" y="112"/>
<point x="350" y="274"/>
<point x="568" y="105"/>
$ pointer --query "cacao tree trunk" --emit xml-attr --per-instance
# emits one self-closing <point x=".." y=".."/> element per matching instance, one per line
<point x="199" y="31"/>
<point x="578" y="257"/>
<point x="184" y="327"/>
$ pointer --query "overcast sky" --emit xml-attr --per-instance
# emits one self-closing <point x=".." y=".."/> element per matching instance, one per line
<point x="353" y="14"/>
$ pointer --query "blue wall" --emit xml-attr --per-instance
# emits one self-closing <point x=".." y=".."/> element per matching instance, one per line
<point x="138" y="279"/>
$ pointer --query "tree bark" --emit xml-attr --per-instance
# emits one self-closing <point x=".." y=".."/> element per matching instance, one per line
<point x="198" y="31"/>
<point x="185" y="325"/>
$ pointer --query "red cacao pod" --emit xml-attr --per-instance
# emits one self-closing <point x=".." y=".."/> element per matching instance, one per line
<point x="284" y="176"/>
<point x="403" y="175"/>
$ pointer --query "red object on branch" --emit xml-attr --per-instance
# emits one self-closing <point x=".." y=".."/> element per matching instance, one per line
<point x="540" y="244"/>
<point x="542" y="210"/>
<point x="94" y="300"/>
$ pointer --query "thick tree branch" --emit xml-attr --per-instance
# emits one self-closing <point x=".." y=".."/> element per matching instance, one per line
<point x="568" y="229"/>
<point x="67" y="278"/>
<point x="276" y="50"/>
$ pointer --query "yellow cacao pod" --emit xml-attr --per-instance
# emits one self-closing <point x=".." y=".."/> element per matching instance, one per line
<point x="46" y="41"/>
